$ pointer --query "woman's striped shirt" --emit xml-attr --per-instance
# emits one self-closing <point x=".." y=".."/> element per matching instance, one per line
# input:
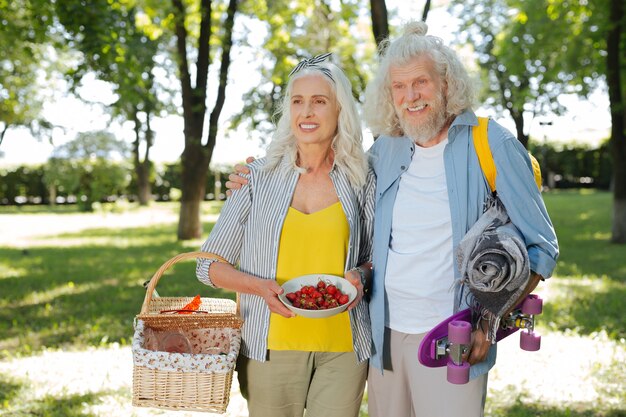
<point x="247" y="234"/>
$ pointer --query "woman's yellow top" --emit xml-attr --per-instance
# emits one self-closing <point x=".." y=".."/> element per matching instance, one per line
<point x="315" y="243"/>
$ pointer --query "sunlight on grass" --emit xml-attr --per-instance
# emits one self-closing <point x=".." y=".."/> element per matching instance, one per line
<point x="7" y="271"/>
<point x="48" y="296"/>
<point x="584" y="305"/>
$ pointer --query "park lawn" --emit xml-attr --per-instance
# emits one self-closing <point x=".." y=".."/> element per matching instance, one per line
<point x="589" y="288"/>
<point x="84" y="289"/>
<point x="76" y="290"/>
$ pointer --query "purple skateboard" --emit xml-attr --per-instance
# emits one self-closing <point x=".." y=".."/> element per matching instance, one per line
<point x="446" y="343"/>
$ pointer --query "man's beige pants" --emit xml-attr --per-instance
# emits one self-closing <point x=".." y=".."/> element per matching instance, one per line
<point x="410" y="389"/>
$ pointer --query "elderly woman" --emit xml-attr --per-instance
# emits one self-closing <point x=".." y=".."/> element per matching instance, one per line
<point x="307" y="209"/>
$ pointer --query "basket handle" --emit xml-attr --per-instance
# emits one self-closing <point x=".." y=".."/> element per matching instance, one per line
<point x="157" y="275"/>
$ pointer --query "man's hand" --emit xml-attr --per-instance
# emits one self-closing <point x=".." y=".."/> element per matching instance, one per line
<point x="235" y="180"/>
<point x="355" y="279"/>
<point x="479" y="345"/>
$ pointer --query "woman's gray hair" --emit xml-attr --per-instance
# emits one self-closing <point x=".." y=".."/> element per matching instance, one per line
<point x="347" y="144"/>
<point x="378" y="109"/>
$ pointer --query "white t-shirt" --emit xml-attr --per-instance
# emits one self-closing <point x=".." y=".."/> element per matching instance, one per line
<point x="420" y="273"/>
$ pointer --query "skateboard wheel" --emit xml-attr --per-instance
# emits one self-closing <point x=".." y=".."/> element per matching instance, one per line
<point x="458" y="374"/>
<point x="530" y="341"/>
<point x="459" y="332"/>
<point x="532" y="305"/>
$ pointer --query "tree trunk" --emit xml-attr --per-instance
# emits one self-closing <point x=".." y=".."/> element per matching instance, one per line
<point x="144" y="189"/>
<point x="52" y="195"/>
<point x="618" y="119"/>
<point x="3" y="132"/>
<point x="195" y="167"/>
<point x="380" y="24"/>
<point x="142" y="167"/>
<point x="196" y="156"/>
<point x="426" y="10"/>
<point x="518" y="118"/>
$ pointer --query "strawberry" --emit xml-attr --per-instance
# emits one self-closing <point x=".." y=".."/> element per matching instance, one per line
<point x="343" y="299"/>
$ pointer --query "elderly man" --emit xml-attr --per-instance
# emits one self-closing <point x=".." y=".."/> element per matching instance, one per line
<point x="430" y="191"/>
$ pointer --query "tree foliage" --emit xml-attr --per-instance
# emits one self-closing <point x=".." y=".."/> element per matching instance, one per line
<point x="120" y="49"/>
<point x="532" y="51"/>
<point x="520" y="51"/>
<point x="26" y="34"/>
<point x="198" y="30"/>
<point x="296" y="30"/>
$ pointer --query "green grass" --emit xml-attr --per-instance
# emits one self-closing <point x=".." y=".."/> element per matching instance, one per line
<point x="83" y="289"/>
<point x="590" y="278"/>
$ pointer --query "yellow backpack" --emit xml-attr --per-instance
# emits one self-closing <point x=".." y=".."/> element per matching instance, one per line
<point x="481" y="144"/>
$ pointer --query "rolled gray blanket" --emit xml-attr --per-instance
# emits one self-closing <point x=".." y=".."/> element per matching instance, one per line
<point x="493" y="261"/>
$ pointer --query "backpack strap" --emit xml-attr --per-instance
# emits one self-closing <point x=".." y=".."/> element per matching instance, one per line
<point x="483" y="151"/>
<point x="536" y="170"/>
<point x="485" y="157"/>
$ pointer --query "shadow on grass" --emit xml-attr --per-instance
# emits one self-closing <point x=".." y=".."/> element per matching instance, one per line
<point x="17" y="402"/>
<point x="88" y="295"/>
<point x="9" y="389"/>
<point x="525" y="410"/>
<point x="49" y="406"/>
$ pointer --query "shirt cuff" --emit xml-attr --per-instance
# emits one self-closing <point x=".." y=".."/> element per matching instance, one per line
<point x="205" y="276"/>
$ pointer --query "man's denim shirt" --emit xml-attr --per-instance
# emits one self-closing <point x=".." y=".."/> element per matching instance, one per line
<point x="467" y="191"/>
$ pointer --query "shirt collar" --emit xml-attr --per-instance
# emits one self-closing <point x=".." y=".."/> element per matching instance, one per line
<point x="467" y="118"/>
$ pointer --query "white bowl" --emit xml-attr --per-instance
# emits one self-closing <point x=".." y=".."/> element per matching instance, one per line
<point x="295" y="284"/>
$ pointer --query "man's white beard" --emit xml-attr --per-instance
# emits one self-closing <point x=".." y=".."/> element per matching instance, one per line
<point x="425" y="132"/>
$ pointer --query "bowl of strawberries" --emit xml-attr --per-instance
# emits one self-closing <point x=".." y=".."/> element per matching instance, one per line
<point x="317" y="295"/>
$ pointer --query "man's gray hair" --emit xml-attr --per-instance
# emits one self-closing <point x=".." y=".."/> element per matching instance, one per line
<point x="378" y="109"/>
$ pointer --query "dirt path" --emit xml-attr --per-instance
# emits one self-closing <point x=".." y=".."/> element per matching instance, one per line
<point x="21" y="230"/>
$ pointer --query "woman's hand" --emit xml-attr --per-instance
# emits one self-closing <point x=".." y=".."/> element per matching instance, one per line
<point x="269" y="290"/>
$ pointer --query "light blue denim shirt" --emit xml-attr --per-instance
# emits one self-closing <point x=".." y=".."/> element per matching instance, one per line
<point x="468" y="191"/>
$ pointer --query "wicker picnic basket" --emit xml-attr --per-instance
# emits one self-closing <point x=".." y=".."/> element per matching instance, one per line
<point x="198" y="376"/>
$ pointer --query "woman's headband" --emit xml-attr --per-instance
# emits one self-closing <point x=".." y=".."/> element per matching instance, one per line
<point x="314" y="63"/>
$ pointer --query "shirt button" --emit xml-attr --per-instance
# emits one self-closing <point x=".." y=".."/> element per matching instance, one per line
<point x="402" y="167"/>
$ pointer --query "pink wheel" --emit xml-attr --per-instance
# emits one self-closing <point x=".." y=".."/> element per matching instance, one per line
<point x="530" y="341"/>
<point x="458" y="374"/>
<point x="533" y="304"/>
<point x="459" y="332"/>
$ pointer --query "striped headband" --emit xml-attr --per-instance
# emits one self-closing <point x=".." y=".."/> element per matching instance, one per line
<point x="314" y="63"/>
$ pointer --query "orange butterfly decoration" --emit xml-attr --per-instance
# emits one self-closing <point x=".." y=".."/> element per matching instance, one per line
<point x="193" y="305"/>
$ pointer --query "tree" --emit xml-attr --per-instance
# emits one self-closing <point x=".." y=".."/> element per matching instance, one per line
<point x="24" y="39"/>
<point x="538" y="49"/>
<point x="616" y="74"/>
<point x="520" y="51"/>
<point x="122" y="52"/>
<point x="380" y="21"/>
<point x="197" y="155"/>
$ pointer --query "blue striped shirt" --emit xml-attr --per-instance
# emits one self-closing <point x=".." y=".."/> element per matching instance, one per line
<point x="247" y="234"/>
